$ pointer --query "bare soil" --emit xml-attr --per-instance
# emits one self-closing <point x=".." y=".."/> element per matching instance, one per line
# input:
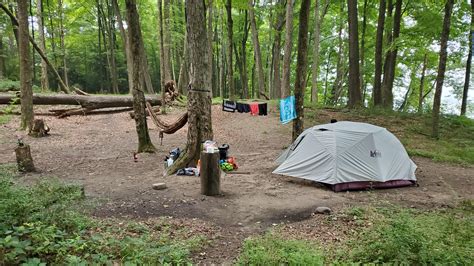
<point x="97" y="152"/>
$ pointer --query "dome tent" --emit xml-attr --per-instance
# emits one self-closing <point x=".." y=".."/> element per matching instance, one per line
<point x="348" y="155"/>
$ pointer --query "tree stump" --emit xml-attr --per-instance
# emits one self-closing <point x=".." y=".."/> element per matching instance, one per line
<point x="210" y="174"/>
<point x="24" y="159"/>
<point x="38" y="129"/>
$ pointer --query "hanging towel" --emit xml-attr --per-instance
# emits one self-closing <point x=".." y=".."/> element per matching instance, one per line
<point x="287" y="109"/>
<point x="262" y="109"/>
<point x="240" y="107"/>
<point x="246" y="108"/>
<point x="229" y="106"/>
<point x="254" y="108"/>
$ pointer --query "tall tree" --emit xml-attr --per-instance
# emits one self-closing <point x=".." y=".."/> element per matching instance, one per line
<point x="26" y="90"/>
<point x="209" y="45"/>
<point x="230" y="73"/>
<point x="2" y="59"/>
<point x="443" y="55"/>
<point x="362" y="51"/>
<point x="354" y="75"/>
<point x="391" y="57"/>
<point x="199" y="104"/>
<point x="167" y="39"/>
<point x="135" y="37"/>
<point x="42" y="45"/>
<point x="467" y="77"/>
<point x="422" y="84"/>
<point x="285" y="81"/>
<point x="337" y="86"/>
<point x="278" y="26"/>
<point x="125" y="41"/>
<point x="318" y="19"/>
<point x="62" y="41"/>
<point x="377" y="89"/>
<point x="163" y="75"/>
<point x="258" y="54"/>
<point x="301" y="65"/>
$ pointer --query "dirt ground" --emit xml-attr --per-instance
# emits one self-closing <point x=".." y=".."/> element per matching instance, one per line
<point x="97" y="152"/>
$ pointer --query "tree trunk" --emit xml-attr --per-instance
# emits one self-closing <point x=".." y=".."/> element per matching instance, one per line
<point x="135" y="38"/>
<point x="2" y="60"/>
<point x="166" y="40"/>
<point x="112" y="44"/>
<point x="258" y="54"/>
<point x="210" y="173"/>
<point x="209" y="46"/>
<point x="389" y="74"/>
<point x="276" y="57"/>
<point x="241" y="59"/>
<point x="422" y="84"/>
<point x="162" y="52"/>
<point x="467" y="79"/>
<point x="354" y="75"/>
<point x="222" y="69"/>
<point x="61" y="41"/>
<point x="362" y="52"/>
<point x="199" y="102"/>
<point x="285" y="81"/>
<point x="183" y="78"/>
<point x="443" y="55"/>
<point x="26" y="89"/>
<point x="230" y="65"/>
<point x="315" y="65"/>
<point x="125" y="43"/>
<point x="377" y="90"/>
<point x="42" y="45"/>
<point x="301" y="65"/>
<point x="337" y="86"/>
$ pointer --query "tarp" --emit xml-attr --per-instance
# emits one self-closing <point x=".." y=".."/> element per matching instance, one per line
<point x="345" y="152"/>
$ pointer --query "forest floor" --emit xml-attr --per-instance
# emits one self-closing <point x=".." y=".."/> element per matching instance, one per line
<point x="97" y="152"/>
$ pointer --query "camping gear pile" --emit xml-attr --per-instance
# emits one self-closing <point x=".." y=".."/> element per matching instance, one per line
<point x="226" y="162"/>
<point x="348" y="156"/>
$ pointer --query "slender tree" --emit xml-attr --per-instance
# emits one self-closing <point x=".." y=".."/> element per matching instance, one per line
<point x="26" y="90"/>
<point x="301" y="67"/>
<point x="443" y="55"/>
<point x="362" y="51"/>
<point x="354" y="75"/>
<point x="199" y="102"/>
<point x="422" y="84"/>
<point x="318" y="20"/>
<point x="209" y="45"/>
<point x="42" y="45"/>
<point x="377" y="90"/>
<point x="61" y="41"/>
<point x="258" y="54"/>
<point x="230" y="73"/>
<point x="285" y="80"/>
<point x="125" y="41"/>
<point x="467" y="77"/>
<point x="135" y="37"/>
<point x="278" y="26"/>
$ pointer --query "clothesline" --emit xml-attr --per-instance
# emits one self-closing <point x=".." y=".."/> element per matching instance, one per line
<point x="252" y="108"/>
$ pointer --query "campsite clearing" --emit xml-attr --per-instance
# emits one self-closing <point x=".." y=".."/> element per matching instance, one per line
<point x="97" y="151"/>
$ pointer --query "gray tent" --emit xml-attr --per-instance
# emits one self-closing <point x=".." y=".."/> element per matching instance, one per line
<point x="348" y="155"/>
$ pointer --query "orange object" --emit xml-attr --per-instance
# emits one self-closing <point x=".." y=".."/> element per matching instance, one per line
<point x="254" y="108"/>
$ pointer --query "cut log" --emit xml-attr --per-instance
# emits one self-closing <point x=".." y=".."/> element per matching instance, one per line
<point x="91" y="102"/>
<point x="23" y="158"/>
<point x="210" y="174"/>
<point x="39" y="129"/>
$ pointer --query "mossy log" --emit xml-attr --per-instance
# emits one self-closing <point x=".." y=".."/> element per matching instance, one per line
<point x="23" y="158"/>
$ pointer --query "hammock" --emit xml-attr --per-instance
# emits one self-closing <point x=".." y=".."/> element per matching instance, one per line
<point x="167" y="128"/>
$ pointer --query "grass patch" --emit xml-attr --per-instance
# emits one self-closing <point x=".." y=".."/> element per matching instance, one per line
<point x="45" y="223"/>
<point x="273" y="250"/>
<point x="455" y="145"/>
<point x="389" y="235"/>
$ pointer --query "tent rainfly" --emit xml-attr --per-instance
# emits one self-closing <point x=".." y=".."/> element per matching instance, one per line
<point x="348" y="156"/>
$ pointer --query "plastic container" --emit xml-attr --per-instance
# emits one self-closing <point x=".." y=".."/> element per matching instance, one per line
<point x="223" y="151"/>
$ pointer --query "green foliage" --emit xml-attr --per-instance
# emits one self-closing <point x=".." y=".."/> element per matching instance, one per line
<point x="9" y="85"/>
<point x="417" y="238"/>
<point x="273" y="250"/>
<point x="43" y="223"/>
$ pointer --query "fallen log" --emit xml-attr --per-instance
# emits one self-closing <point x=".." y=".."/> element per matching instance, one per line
<point x="90" y="102"/>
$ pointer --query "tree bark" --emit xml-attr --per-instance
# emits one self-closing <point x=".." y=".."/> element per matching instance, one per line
<point x="135" y="38"/>
<point x="337" y="86"/>
<point x="183" y="78"/>
<point x="199" y="102"/>
<point x="163" y="70"/>
<point x="258" y="54"/>
<point x="362" y="52"/>
<point x="422" y="84"/>
<point x="278" y="26"/>
<point x="23" y="158"/>
<point x="354" y="75"/>
<point x="126" y="47"/>
<point x="61" y="42"/>
<point x="377" y="90"/>
<point x="230" y="65"/>
<point x="467" y="77"/>
<point x="42" y="45"/>
<point x="315" y="65"/>
<point x="209" y="46"/>
<point x="241" y="59"/>
<point x="285" y="81"/>
<point x="301" y="65"/>
<point x="26" y="90"/>
<point x="112" y="44"/>
<point x="443" y="55"/>
<point x="2" y="60"/>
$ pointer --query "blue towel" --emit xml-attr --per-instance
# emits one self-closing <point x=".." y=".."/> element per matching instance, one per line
<point x="287" y="109"/>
